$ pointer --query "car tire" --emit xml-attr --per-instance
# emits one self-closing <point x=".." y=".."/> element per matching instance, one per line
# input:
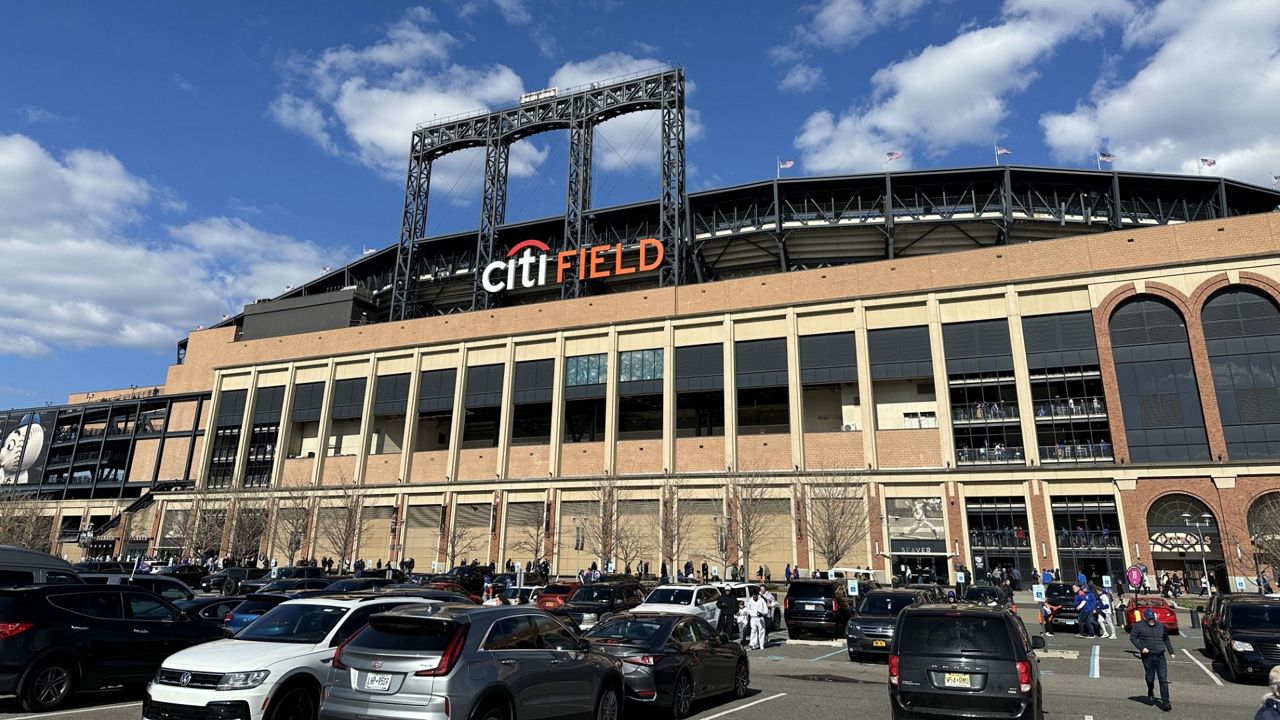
<point x="1209" y="649"/>
<point x="609" y="704"/>
<point x="48" y="685"/>
<point x="296" y="702"/>
<point x="491" y="711"/>
<point x="682" y="697"/>
<point x="793" y="634"/>
<point x="853" y="657"/>
<point x="741" y="679"/>
<point x="1229" y="670"/>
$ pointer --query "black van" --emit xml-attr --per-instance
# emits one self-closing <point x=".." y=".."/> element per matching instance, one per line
<point x="816" y="606"/>
<point x="22" y="566"/>
<point x="949" y="660"/>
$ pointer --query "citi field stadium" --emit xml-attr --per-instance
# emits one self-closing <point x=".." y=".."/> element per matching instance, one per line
<point x="978" y="368"/>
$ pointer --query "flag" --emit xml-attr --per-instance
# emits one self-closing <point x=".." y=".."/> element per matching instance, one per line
<point x="892" y="155"/>
<point x="1003" y="151"/>
<point x="786" y="164"/>
<point x="1106" y="157"/>
<point x="1208" y="162"/>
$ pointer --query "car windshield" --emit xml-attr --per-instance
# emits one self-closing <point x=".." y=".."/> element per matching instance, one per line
<point x="1150" y="602"/>
<point x="399" y="634"/>
<point x="983" y="595"/>
<point x="954" y="635"/>
<point x="1253" y="616"/>
<point x="521" y="592"/>
<point x="670" y="596"/>
<point x="811" y="590"/>
<point x="1058" y="590"/>
<point x="279" y="585"/>
<point x="636" y="631"/>
<point x="303" y="624"/>
<point x="884" y="604"/>
<point x="256" y="607"/>
<point x="592" y="594"/>
<point x="347" y="585"/>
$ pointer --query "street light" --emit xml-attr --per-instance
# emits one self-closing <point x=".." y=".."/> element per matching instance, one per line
<point x="1204" y="563"/>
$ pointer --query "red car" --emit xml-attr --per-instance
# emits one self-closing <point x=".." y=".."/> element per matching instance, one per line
<point x="452" y="587"/>
<point x="556" y="594"/>
<point x="1165" y="614"/>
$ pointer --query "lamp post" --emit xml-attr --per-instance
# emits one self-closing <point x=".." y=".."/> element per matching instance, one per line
<point x="1204" y="563"/>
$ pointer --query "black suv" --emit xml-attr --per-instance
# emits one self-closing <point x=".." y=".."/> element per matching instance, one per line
<point x="1246" y="637"/>
<point x="217" y="581"/>
<point x="55" y="639"/>
<point x="816" y="606"/>
<point x="949" y="660"/>
<point x="1061" y="594"/>
<point x="870" y="630"/>
<point x="189" y="574"/>
<point x="255" y="583"/>
<point x="596" y="601"/>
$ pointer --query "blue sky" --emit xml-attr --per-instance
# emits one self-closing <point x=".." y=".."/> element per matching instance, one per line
<point x="163" y="163"/>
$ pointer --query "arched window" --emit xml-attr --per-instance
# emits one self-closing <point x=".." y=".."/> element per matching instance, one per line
<point x="1159" y="396"/>
<point x="1242" y="333"/>
<point x="1167" y="512"/>
<point x="1264" y="528"/>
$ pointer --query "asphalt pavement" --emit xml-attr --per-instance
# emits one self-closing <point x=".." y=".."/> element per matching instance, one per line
<point x="1083" y="679"/>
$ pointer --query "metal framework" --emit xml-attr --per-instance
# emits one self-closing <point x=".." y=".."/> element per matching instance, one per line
<point x="577" y="110"/>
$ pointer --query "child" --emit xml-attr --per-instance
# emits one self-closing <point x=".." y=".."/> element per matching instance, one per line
<point x="1047" y="611"/>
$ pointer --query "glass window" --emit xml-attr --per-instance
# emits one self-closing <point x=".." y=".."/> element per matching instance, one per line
<point x="683" y="633"/>
<point x="304" y="624"/>
<point x="962" y="636"/>
<point x="586" y="370"/>
<point x="670" y="596"/>
<point x="359" y="618"/>
<point x="396" y="634"/>
<point x="13" y="578"/>
<point x="101" y="605"/>
<point x="53" y="577"/>
<point x="702" y="630"/>
<point x="553" y="635"/>
<point x="146" y="608"/>
<point x="636" y="365"/>
<point x="634" y="631"/>
<point x="513" y="633"/>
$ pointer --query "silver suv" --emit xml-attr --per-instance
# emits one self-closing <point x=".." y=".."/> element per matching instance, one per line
<point x="477" y="663"/>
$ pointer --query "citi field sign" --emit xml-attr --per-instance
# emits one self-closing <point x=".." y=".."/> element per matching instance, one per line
<point x="528" y="263"/>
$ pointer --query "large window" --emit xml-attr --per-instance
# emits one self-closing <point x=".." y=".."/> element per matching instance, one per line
<point x="640" y="394"/>
<point x="1066" y="389"/>
<point x="390" y="405"/>
<point x="226" y="437"/>
<point x="984" y="396"/>
<point x="700" y="390"/>
<point x="585" y="381"/>
<point x="531" y="416"/>
<point x="435" y="409"/>
<point x="902" y="378"/>
<point x="1088" y="536"/>
<point x="763" y="397"/>
<point x="345" y="412"/>
<point x="1242" y="331"/>
<point x="482" y="423"/>
<point x="829" y="382"/>
<point x="267" y="405"/>
<point x="304" y="433"/>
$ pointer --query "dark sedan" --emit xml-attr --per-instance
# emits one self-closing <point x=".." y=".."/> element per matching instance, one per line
<point x="211" y="609"/>
<point x="672" y="660"/>
<point x="189" y="574"/>
<point x="592" y="603"/>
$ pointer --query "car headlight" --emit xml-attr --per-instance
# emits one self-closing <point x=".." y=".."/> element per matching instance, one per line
<point x="243" y="680"/>
<point x="588" y="617"/>
<point x="1241" y="646"/>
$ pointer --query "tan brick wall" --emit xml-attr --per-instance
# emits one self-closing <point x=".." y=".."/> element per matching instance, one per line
<point x="297" y="471"/>
<point x="338" y="470"/>
<point x="909" y="448"/>
<point x="144" y="459"/>
<point x="700" y="454"/>
<point x="182" y="416"/>
<point x="382" y="470"/>
<point x="477" y="463"/>
<point x="833" y="451"/>
<point x="429" y="466"/>
<point x="582" y="459"/>
<point x="639" y="457"/>
<point x="528" y="461"/>
<point x="764" y="452"/>
<point x="174" y="460"/>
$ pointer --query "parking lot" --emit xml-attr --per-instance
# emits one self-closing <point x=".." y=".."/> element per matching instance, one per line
<point x="1083" y="679"/>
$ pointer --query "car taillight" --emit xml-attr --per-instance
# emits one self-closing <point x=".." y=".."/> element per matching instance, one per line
<point x="646" y="660"/>
<point x="9" y="629"/>
<point x="893" y="670"/>
<point x="835" y="605"/>
<point x="787" y="603"/>
<point x="452" y="652"/>
<point x="226" y="618"/>
<point x="337" y="654"/>
<point x="1024" y="677"/>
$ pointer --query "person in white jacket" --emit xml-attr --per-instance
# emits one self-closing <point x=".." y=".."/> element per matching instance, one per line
<point x="1106" y="613"/>
<point x="743" y="618"/>
<point x="757" y="609"/>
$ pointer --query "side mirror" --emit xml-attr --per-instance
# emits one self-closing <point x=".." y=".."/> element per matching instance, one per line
<point x="1199" y="608"/>
<point x="584" y="646"/>
<point x="1037" y="642"/>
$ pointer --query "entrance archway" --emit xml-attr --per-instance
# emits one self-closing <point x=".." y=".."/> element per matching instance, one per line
<point x="1264" y="534"/>
<point x="1185" y="542"/>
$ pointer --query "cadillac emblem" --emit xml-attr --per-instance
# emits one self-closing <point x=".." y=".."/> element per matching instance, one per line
<point x="184" y="679"/>
<point x="377" y="664"/>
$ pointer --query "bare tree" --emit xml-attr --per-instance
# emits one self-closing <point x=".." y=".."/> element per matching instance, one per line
<point x="1264" y="529"/>
<point x="837" y="519"/>
<point x="21" y="523"/>
<point x="748" y="500"/>
<point x="461" y="541"/>
<point x="674" y="524"/>
<point x="340" y="525"/>
<point x="634" y="538"/>
<point x="248" y="527"/>
<point x="530" y="540"/>
<point x="206" y="521"/>
<point x="293" y="521"/>
<point x="600" y="525"/>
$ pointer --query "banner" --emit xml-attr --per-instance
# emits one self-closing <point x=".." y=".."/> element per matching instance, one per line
<point x="25" y="439"/>
<point x="915" y="518"/>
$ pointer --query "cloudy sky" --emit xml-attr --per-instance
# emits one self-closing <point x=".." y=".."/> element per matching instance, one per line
<point x="161" y="164"/>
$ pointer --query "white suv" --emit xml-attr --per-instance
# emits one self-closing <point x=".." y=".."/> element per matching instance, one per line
<point x="274" y="669"/>
<point x="697" y="600"/>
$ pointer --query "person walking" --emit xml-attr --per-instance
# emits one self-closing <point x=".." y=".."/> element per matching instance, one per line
<point x="786" y="572"/>
<point x="1084" y="614"/>
<point x="1270" y="709"/>
<point x="1047" y="611"/>
<point x="727" y="605"/>
<point x="1017" y="580"/>
<point x="1152" y="642"/>
<point x="757" y="609"/>
<point x="1106" y="618"/>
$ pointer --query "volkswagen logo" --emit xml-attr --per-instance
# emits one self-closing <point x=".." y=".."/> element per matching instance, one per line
<point x="377" y="664"/>
<point x="184" y="679"/>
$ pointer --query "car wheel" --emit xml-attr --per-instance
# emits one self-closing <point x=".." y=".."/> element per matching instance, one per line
<point x="1209" y="649"/>
<point x="682" y="697"/>
<point x="741" y="680"/>
<point x="297" y="703"/>
<point x="491" y="712"/>
<point x="609" y="706"/>
<point x="1229" y="671"/>
<point x="853" y="657"/>
<point x="48" y="686"/>
<point x="793" y="634"/>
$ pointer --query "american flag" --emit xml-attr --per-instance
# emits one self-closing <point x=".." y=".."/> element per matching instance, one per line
<point x="1106" y="157"/>
<point x="786" y="164"/>
<point x="1003" y="151"/>
<point x="1208" y="162"/>
<point x="892" y="155"/>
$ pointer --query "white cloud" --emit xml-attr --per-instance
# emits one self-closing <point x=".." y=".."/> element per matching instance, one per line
<point x="1210" y="88"/>
<point x="33" y="114"/>
<point x="628" y="142"/>
<point x="953" y="93"/>
<point x="79" y="272"/>
<point x="842" y="24"/>
<point x="801" y="78"/>
<point x="513" y="11"/>
<point x="183" y="84"/>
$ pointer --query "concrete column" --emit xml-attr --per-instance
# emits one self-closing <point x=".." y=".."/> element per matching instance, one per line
<point x="459" y="411"/>
<point x="557" y="408"/>
<point x="366" y="421"/>
<point x="866" y="393"/>
<point x="282" y="431"/>
<point x="730" y="397"/>
<point x="246" y="429"/>
<point x="1022" y="380"/>
<point x="410" y="439"/>
<point x="669" y="398"/>
<point x="210" y="431"/>
<point x="941" y="390"/>
<point x="795" y="390"/>
<point x="507" y="412"/>
<point x="611" y="405"/>
<point x="326" y="424"/>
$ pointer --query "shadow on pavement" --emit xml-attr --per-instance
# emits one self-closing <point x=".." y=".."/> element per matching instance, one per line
<point x="9" y="704"/>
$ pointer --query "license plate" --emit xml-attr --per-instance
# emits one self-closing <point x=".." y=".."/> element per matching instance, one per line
<point x="812" y="606"/>
<point x="956" y="680"/>
<point x="377" y="681"/>
<point x="879" y="643"/>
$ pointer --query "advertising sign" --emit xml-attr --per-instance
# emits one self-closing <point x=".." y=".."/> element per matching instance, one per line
<point x="1037" y="591"/>
<point x="915" y="518"/>
<point x="528" y="264"/>
<point x="24" y="446"/>
<point x="1133" y="576"/>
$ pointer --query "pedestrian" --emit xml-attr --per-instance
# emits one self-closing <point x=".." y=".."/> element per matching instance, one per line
<point x="1017" y="580"/>
<point x="757" y="609"/>
<point x="726" y="607"/>
<point x="786" y="572"/>
<point x="1046" y="577"/>
<point x="1106" y="618"/>
<point x="1270" y="709"/>
<point x="1152" y="642"/>
<point x="1047" y="611"/>
<point x="1084" y="614"/>
<point x="1081" y="578"/>
<point x="706" y="573"/>
<point x="743" y="618"/>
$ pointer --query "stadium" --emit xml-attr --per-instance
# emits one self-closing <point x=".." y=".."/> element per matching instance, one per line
<point x="1014" y="367"/>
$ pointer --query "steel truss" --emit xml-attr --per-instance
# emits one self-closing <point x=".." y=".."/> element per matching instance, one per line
<point x="577" y="110"/>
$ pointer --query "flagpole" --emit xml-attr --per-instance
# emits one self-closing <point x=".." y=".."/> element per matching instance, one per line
<point x="777" y="167"/>
<point x="1199" y="167"/>
<point x="1097" y="157"/>
<point x="996" y="149"/>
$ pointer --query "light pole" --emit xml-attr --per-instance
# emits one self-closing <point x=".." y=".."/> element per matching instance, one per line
<point x="1204" y="563"/>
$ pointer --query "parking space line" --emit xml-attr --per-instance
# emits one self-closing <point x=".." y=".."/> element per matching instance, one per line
<point x="1095" y="668"/>
<point x="740" y="707"/>
<point x="1206" y="670"/>
<point x="81" y="710"/>
<point x="820" y="657"/>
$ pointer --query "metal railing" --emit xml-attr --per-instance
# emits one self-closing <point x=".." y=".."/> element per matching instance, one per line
<point x="1088" y="540"/>
<point x="1007" y="538"/>
<point x="1094" y="452"/>
<point x="990" y="456"/>
<point x="991" y="412"/>
<point x="1093" y="406"/>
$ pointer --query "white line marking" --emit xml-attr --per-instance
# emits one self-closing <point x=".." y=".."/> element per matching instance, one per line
<point x="1182" y="633"/>
<point x="823" y="643"/>
<point x="1088" y="717"/>
<point x="1206" y="670"/>
<point x="709" y="717"/>
<point x="81" y="710"/>
<point x="826" y="656"/>
<point x="1095" y="669"/>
